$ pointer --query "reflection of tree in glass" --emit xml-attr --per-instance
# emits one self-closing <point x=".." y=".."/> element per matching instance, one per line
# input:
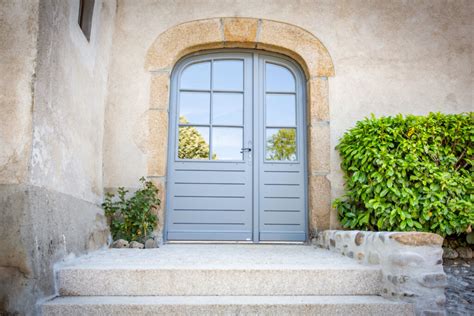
<point x="282" y="145"/>
<point x="192" y="145"/>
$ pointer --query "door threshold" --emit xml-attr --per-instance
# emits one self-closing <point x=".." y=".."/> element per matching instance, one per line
<point x="236" y="242"/>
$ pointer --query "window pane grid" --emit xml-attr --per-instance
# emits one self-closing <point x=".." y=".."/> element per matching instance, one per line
<point x="280" y="115"/>
<point x="209" y="139"/>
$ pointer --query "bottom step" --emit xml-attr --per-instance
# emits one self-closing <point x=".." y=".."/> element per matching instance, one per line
<point x="219" y="305"/>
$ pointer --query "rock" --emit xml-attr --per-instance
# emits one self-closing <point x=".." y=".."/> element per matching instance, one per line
<point x="454" y="243"/>
<point x="409" y="294"/>
<point x="432" y="280"/>
<point x="470" y="238"/>
<point x="403" y="279"/>
<point x="151" y="243"/>
<point x="120" y="243"/>
<point x="397" y="280"/>
<point x="359" y="238"/>
<point x="449" y="253"/>
<point x="136" y="244"/>
<point x="464" y="252"/>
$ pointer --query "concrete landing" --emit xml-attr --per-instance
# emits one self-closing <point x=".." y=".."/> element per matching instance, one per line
<point x="235" y="269"/>
<point x="214" y="256"/>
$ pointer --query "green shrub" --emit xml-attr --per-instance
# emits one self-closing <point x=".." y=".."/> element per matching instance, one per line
<point x="406" y="174"/>
<point x="132" y="218"/>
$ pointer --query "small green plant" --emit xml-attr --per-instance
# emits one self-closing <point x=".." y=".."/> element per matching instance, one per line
<point x="132" y="218"/>
<point x="409" y="173"/>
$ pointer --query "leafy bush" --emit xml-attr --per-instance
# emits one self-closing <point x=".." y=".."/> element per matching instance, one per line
<point x="132" y="218"/>
<point x="412" y="173"/>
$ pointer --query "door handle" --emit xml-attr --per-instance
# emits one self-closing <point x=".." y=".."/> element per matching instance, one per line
<point x="245" y="149"/>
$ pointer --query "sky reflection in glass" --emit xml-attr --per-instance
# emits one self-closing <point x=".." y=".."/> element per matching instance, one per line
<point x="279" y="79"/>
<point x="227" y="143"/>
<point x="227" y="108"/>
<point x="228" y="75"/>
<point x="195" y="107"/>
<point x="197" y="76"/>
<point x="281" y="110"/>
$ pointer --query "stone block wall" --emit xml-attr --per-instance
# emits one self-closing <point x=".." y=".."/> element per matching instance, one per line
<point x="411" y="263"/>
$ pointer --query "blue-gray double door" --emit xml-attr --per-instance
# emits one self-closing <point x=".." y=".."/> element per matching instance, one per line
<point x="236" y="163"/>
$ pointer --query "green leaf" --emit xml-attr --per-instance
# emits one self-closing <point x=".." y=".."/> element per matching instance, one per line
<point x="403" y="224"/>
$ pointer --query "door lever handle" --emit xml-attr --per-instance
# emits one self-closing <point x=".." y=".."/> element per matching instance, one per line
<point x="245" y="149"/>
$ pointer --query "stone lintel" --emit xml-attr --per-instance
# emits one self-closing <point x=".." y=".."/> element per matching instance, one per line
<point x="240" y="32"/>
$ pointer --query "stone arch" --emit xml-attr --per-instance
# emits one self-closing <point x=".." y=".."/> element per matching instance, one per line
<point x="220" y="33"/>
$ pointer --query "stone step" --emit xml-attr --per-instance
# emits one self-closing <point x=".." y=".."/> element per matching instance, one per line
<point x="217" y="270"/>
<point x="225" y="305"/>
<point x="284" y="281"/>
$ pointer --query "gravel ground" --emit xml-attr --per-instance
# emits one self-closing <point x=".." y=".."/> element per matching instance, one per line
<point x="460" y="290"/>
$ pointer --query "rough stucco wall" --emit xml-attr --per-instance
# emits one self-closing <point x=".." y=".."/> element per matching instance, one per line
<point x="54" y="211"/>
<point x="69" y="100"/>
<point x="38" y="230"/>
<point x="390" y="57"/>
<point x="17" y="66"/>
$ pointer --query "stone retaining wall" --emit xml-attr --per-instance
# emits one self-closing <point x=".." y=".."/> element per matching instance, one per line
<point x="411" y="263"/>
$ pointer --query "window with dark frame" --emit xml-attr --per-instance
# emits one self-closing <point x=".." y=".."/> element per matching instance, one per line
<point x="86" y="11"/>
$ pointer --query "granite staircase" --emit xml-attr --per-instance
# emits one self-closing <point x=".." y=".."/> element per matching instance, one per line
<point x="220" y="280"/>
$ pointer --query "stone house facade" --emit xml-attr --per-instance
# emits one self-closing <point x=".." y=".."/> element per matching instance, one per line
<point x="82" y="116"/>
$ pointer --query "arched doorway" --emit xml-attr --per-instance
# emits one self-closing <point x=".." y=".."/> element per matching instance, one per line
<point x="237" y="160"/>
<point x="244" y="33"/>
